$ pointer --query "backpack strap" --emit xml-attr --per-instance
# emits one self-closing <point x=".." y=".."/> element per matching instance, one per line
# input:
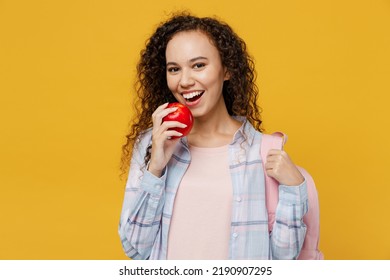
<point x="309" y="249"/>
<point x="271" y="141"/>
<point x="311" y="219"/>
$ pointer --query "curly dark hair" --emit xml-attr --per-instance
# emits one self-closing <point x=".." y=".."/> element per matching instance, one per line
<point x="240" y="91"/>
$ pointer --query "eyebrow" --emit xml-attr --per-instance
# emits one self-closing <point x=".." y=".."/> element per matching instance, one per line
<point x="191" y="60"/>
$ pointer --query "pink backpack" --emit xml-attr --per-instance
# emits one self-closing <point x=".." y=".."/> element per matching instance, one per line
<point x="312" y="218"/>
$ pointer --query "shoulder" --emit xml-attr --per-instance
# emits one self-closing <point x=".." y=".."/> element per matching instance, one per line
<point x="144" y="139"/>
<point x="146" y="133"/>
<point x="252" y="135"/>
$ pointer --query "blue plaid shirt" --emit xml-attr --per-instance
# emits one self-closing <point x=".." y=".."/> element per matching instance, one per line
<point x="149" y="201"/>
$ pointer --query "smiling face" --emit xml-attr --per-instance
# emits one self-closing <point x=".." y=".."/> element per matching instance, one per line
<point x="195" y="73"/>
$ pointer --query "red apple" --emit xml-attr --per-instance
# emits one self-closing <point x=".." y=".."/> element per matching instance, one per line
<point x="183" y="115"/>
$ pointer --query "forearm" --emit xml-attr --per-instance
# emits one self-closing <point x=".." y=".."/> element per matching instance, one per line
<point x="141" y="216"/>
<point x="289" y="230"/>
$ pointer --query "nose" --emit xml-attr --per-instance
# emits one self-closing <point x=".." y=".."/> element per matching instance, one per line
<point x="186" y="79"/>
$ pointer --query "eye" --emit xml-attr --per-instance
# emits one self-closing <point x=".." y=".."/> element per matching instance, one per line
<point x="173" y="69"/>
<point x="199" y="65"/>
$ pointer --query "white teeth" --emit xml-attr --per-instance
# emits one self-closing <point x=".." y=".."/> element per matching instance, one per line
<point x="192" y="94"/>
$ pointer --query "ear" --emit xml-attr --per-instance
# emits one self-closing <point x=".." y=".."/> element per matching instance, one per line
<point x="227" y="75"/>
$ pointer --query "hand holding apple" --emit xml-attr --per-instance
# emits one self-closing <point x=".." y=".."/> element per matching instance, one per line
<point x="182" y="115"/>
<point x="170" y="122"/>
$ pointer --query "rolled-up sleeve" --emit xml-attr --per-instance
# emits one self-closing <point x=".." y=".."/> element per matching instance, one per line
<point x="142" y="208"/>
<point x="289" y="229"/>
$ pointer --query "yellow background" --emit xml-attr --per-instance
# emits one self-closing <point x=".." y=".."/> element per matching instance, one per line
<point x="66" y="74"/>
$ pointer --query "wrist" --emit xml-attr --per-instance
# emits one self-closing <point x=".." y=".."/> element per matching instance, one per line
<point x="155" y="171"/>
<point x="296" y="181"/>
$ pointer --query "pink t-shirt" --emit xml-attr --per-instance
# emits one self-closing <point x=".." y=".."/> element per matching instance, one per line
<point x="200" y="225"/>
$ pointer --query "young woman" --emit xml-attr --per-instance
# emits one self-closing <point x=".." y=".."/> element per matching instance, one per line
<point x="202" y="196"/>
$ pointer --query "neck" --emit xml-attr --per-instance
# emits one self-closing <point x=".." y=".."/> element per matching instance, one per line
<point x="214" y="130"/>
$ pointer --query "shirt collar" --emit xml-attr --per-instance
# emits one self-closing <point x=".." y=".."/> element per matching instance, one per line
<point x="246" y="132"/>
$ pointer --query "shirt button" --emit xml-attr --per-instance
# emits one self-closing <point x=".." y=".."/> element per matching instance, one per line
<point x="235" y="235"/>
<point x="238" y="199"/>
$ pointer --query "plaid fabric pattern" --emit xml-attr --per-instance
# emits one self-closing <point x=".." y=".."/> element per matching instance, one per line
<point x="149" y="201"/>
